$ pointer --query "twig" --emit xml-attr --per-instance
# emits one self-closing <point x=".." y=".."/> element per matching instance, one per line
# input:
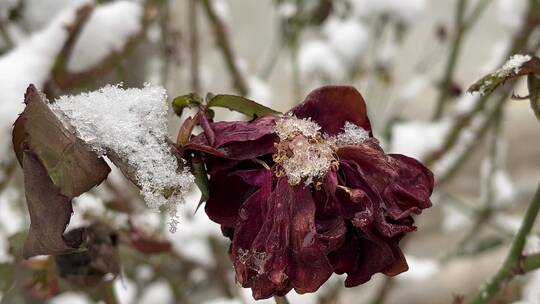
<point x="67" y="79"/>
<point x="519" y="43"/>
<point x="194" y="47"/>
<point x="462" y="27"/>
<point x="452" y="58"/>
<point x="514" y="259"/>
<point x="222" y="41"/>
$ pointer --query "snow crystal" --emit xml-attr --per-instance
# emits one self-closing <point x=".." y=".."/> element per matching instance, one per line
<point x="130" y="124"/>
<point x="351" y="135"/>
<point x="513" y="64"/>
<point x="291" y="125"/>
<point x="417" y="138"/>
<point x="419" y="268"/>
<point x="30" y="62"/>
<point x="107" y="30"/>
<point x="302" y="152"/>
<point x="318" y="61"/>
<point x="192" y="240"/>
<point x="347" y="37"/>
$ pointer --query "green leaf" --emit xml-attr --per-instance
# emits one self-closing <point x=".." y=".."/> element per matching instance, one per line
<point x="181" y="102"/>
<point x="242" y="105"/>
<point x="490" y="82"/>
<point x="201" y="179"/>
<point x="533" y="84"/>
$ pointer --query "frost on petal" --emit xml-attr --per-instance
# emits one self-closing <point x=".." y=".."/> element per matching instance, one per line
<point x="130" y="125"/>
<point x="302" y="152"/>
<point x="351" y="135"/>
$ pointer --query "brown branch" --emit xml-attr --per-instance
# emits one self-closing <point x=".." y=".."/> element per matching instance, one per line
<point x="223" y="42"/>
<point x="67" y="80"/>
<point x="194" y="46"/>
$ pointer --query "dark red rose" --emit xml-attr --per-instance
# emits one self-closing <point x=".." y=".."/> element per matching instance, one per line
<point x="310" y="194"/>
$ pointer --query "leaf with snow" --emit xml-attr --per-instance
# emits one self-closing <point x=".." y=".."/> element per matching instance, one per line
<point x="517" y="65"/>
<point x="57" y="167"/>
<point x="130" y="127"/>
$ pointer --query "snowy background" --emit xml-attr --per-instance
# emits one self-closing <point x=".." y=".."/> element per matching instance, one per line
<point x="394" y="52"/>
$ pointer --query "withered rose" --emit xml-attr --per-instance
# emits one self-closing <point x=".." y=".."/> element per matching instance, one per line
<point x="309" y="194"/>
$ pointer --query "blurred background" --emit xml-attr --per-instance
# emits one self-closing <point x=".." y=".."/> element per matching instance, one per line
<point x="412" y="60"/>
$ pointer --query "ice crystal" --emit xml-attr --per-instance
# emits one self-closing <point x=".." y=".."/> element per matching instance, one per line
<point x="291" y="125"/>
<point x="514" y="64"/>
<point x="351" y="135"/>
<point x="302" y="151"/>
<point x="131" y="125"/>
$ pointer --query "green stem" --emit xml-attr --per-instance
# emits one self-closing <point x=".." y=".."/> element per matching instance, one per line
<point x="514" y="259"/>
<point x="281" y="300"/>
<point x="109" y="296"/>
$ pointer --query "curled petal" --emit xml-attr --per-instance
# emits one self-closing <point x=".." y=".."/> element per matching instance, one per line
<point x="332" y="106"/>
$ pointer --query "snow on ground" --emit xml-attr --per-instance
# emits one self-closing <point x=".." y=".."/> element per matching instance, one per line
<point x="157" y="292"/>
<point x="107" y="30"/>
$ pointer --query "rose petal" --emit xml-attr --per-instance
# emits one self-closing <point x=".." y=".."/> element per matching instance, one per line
<point x="332" y="106"/>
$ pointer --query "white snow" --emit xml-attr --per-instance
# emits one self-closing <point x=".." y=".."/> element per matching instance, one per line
<point x="511" y="12"/>
<point x="286" y="9"/>
<point x="70" y="297"/>
<point x="11" y="218"/>
<point x="405" y="11"/>
<point x="84" y="205"/>
<point x="419" y="268"/>
<point x="532" y="245"/>
<point x="418" y="138"/>
<point x="222" y="9"/>
<point x="508" y="221"/>
<point x="107" y="30"/>
<point x="318" y="61"/>
<point x="192" y="240"/>
<point x="259" y="91"/>
<point x="125" y="290"/>
<point x="30" y="62"/>
<point x="132" y="124"/>
<point x="531" y="293"/>
<point x="454" y="219"/>
<point x="513" y="64"/>
<point x="157" y="292"/>
<point x="504" y="192"/>
<point x="351" y="135"/>
<point x="347" y="37"/>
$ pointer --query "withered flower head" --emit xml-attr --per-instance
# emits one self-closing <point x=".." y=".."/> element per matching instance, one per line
<point x="311" y="193"/>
